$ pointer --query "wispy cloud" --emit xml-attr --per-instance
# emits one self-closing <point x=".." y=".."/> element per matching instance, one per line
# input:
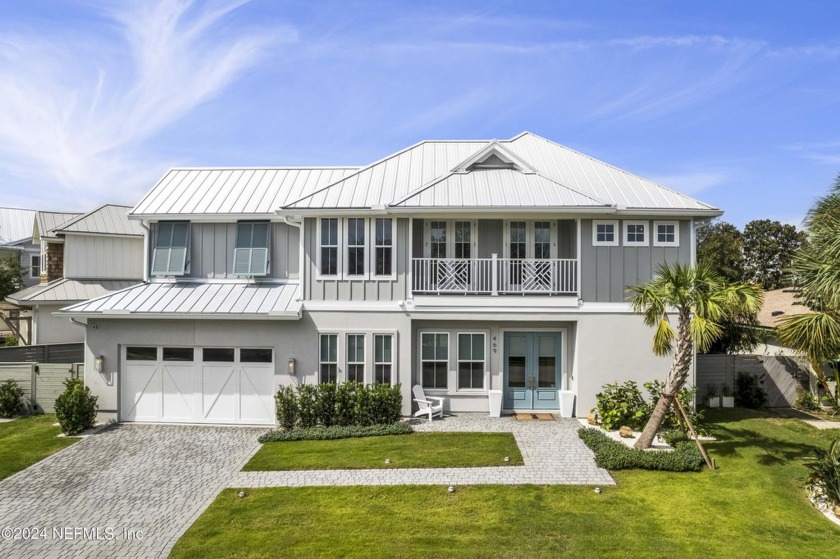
<point x="827" y="153"/>
<point x="76" y="110"/>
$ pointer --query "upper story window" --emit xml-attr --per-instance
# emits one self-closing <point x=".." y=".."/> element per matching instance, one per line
<point x="604" y="233"/>
<point x="328" y="265"/>
<point x="384" y="246"/>
<point x="35" y="266"/>
<point x="356" y="246"/>
<point x="170" y="253"/>
<point x="666" y="233"/>
<point x="635" y="233"/>
<point x="450" y="239"/>
<point x="250" y="257"/>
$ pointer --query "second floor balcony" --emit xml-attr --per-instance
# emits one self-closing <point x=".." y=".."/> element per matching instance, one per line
<point x="494" y="276"/>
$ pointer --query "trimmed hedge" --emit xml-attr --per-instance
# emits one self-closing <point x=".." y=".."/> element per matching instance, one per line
<point x="345" y="404"/>
<point x="336" y="432"/>
<point x="613" y="455"/>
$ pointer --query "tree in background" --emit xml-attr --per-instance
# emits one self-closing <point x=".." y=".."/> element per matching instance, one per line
<point x="769" y="247"/>
<point x="11" y="276"/>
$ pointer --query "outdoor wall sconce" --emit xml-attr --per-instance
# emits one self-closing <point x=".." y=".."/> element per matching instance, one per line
<point x="292" y="366"/>
<point x="99" y="364"/>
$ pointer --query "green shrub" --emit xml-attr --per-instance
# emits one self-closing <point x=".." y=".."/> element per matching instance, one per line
<point x="307" y="410"/>
<point x="337" y="432"/>
<point x="621" y="404"/>
<point x="613" y="455"/>
<point x="345" y="404"/>
<point x="386" y="404"/>
<point x="76" y="407"/>
<point x="673" y="420"/>
<point x="287" y="407"/>
<point x="748" y="391"/>
<point x="825" y="472"/>
<point x="807" y="401"/>
<point x="325" y="405"/>
<point x="672" y="436"/>
<point x="11" y="398"/>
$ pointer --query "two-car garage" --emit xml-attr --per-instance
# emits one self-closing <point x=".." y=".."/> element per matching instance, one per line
<point x="222" y="385"/>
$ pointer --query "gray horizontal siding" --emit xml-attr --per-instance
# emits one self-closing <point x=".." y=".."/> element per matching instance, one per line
<point x="606" y="272"/>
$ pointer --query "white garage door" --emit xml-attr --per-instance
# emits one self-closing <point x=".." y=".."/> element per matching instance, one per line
<point x="197" y="385"/>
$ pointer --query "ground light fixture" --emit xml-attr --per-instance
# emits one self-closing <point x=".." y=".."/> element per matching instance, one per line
<point x="451" y="489"/>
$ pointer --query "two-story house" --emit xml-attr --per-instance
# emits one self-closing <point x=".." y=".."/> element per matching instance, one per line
<point x="85" y="256"/>
<point x="462" y="266"/>
<point x="16" y="226"/>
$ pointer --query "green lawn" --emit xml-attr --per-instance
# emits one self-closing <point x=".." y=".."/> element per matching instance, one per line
<point x="754" y="505"/>
<point x="27" y="440"/>
<point x="417" y="450"/>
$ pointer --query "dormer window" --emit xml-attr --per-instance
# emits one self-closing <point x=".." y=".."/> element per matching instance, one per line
<point x="250" y="256"/>
<point x="170" y="254"/>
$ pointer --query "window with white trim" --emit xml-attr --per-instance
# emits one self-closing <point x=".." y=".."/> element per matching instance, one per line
<point x="604" y="233"/>
<point x="383" y="246"/>
<point x="328" y="362"/>
<point x="383" y="360"/>
<point x="438" y="239"/>
<point x="666" y="233"/>
<point x="355" y="357"/>
<point x="471" y="360"/>
<point x="35" y="266"/>
<point x="328" y="239"/>
<point x="434" y="359"/>
<point x="250" y="255"/>
<point x="170" y="253"/>
<point x="635" y="233"/>
<point x="355" y="246"/>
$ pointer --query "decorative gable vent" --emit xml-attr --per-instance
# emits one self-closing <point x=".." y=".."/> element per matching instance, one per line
<point x="494" y="156"/>
<point x="492" y="162"/>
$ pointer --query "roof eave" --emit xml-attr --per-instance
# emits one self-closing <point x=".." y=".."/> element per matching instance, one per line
<point x="279" y="315"/>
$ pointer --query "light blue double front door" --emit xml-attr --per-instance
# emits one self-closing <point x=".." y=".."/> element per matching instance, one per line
<point x="532" y="370"/>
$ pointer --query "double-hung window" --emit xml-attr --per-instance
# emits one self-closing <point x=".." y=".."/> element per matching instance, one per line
<point x="250" y="257"/>
<point x="382" y="358"/>
<point x="35" y="266"/>
<point x="329" y="358"/>
<point x="356" y="357"/>
<point x="355" y="246"/>
<point x="635" y="233"/>
<point x="434" y="359"/>
<point x="604" y="233"/>
<point x="170" y="253"/>
<point x="328" y="265"/>
<point x="384" y="246"/>
<point x="471" y="361"/>
<point x="666" y="233"/>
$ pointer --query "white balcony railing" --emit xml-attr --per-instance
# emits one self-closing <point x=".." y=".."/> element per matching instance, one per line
<point x="494" y="276"/>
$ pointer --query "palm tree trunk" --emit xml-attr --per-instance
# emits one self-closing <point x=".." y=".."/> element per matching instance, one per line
<point x="676" y="380"/>
<point x="815" y="366"/>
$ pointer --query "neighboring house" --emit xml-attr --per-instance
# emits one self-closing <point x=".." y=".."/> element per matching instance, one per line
<point x="16" y="240"/>
<point x="51" y="245"/>
<point x="87" y="256"/>
<point x="463" y="266"/>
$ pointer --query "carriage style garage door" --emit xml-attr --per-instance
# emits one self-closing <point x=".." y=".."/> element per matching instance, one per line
<point x="197" y="385"/>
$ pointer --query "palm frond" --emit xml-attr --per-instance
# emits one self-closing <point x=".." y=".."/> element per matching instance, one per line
<point x="817" y="335"/>
<point x="663" y="337"/>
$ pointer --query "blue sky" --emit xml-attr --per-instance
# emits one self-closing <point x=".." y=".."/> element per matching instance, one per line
<point x="734" y="103"/>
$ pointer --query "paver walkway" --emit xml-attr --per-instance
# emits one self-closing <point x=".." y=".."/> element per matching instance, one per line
<point x="149" y="479"/>
<point x="552" y="452"/>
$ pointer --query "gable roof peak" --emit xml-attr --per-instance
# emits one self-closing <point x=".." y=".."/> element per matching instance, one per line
<point x="494" y="155"/>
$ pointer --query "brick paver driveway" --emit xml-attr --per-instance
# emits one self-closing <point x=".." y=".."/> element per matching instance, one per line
<point x="135" y="487"/>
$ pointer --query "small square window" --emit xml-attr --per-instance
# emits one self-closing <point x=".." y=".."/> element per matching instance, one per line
<point x="604" y="233"/>
<point x="666" y="233"/>
<point x="635" y="233"/>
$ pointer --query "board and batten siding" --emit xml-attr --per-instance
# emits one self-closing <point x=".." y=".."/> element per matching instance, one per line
<point x="606" y="271"/>
<point x="341" y="289"/>
<point x="102" y="257"/>
<point x="211" y="250"/>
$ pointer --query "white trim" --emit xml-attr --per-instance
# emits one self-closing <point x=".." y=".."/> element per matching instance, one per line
<point x="625" y="233"/>
<point x="338" y="348"/>
<point x="318" y="246"/>
<point x="655" y="235"/>
<point x="345" y="249"/>
<point x="579" y="242"/>
<point x="616" y="233"/>
<point x="393" y="275"/>
<point x="692" y="228"/>
<point x="457" y="358"/>
<point x="420" y="359"/>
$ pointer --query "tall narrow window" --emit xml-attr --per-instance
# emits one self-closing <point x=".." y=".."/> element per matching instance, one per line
<point x="329" y="246"/>
<point x="356" y="357"/>
<point x="384" y="239"/>
<point x="518" y="239"/>
<point x="434" y="359"/>
<point x="463" y="242"/>
<point x="471" y="361"/>
<point x="35" y="266"/>
<point x="382" y="358"/>
<point x="170" y="254"/>
<point x="355" y="246"/>
<point x="542" y="240"/>
<point x="250" y="257"/>
<point x="438" y="239"/>
<point x="329" y="358"/>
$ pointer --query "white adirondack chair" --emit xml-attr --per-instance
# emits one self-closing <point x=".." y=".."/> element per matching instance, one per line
<point x="427" y="407"/>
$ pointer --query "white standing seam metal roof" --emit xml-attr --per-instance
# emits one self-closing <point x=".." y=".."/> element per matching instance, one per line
<point x="210" y="300"/>
<point x="15" y="225"/>
<point x="185" y="192"/>
<point x="109" y="219"/>
<point x="67" y="291"/>
<point x="47" y="221"/>
<point x="390" y="181"/>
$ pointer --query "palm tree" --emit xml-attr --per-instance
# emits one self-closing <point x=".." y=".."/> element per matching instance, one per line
<point x="701" y="300"/>
<point x="816" y="275"/>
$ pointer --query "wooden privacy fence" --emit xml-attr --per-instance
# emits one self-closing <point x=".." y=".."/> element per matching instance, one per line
<point x="784" y="376"/>
<point x="41" y="382"/>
